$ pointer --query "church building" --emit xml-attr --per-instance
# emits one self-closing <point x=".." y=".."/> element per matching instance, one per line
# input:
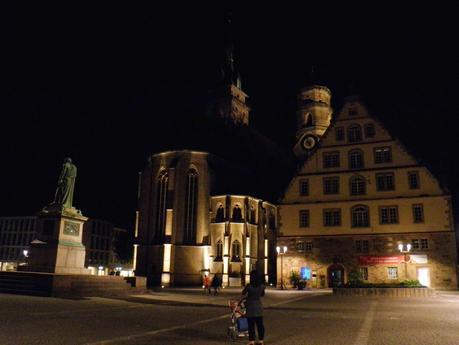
<point x="361" y="203"/>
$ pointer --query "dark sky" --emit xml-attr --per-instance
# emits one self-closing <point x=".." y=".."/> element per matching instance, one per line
<point x="107" y="84"/>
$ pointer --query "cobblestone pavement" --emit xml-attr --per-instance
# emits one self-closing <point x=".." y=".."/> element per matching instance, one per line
<point x="291" y="317"/>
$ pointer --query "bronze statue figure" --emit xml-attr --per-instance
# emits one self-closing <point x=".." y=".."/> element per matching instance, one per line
<point x="66" y="184"/>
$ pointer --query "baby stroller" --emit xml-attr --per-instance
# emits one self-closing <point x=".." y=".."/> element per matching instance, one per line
<point x="239" y="326"/>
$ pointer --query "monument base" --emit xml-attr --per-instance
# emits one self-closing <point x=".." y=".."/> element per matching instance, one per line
<point x="59" y="247"/>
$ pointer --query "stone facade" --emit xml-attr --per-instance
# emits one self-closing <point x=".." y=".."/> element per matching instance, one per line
<point x="184" y="233"/>
<point x="358" y="195"/>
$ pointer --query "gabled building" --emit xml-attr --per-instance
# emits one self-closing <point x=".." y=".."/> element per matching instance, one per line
<point x="358" y="195"/>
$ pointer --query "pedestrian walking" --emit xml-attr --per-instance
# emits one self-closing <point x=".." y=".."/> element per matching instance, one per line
<point x="206" y="284"/>
<point x="254" y="312"/>
<point x="216" y="283"/>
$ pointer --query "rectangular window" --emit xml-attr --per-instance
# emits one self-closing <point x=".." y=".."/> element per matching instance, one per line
<point x="418" y="213"/>
<point x="363" y="271"/>
<point x="331" y="185"/>
<point x="331" y="160"/>
<point x="413" y="180"/>
<point x="304" y="218"/>
<point x="362" y="246"/>
<point x="415" y="243"/>
<point x="332" y="217"/>
<point x="388" y="215"/>
<point x="383" y="155"/>
<point x="304" y="247"/>
<point x="392" y="272"/>
<point x="369" y="130"/>
<point x="385" y="182"/>
<point x="304" y="187"/>
<point x="424" y="243"/>
<point x="339" y="133"/>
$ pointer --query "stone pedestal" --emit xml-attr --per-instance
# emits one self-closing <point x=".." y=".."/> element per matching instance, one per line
<point x="58" y="247"/>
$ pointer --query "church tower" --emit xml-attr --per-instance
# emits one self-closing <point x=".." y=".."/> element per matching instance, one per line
<point x="229" y="101"/>
<point x="314" y="116"/>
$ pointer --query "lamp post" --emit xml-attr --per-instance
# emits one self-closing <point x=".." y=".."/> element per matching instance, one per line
<point x="404" y="252"/>
<point x="281" y="252"/>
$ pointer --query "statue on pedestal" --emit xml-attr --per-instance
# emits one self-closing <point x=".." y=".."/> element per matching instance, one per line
<point x="66" y="185"/>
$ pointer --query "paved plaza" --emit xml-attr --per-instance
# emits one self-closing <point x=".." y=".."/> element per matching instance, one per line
<point x="188" y="317"/>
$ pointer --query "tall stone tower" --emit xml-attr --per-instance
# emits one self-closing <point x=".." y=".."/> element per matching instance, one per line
<point x="314" y="116"/>
<point x="229" y="101"/>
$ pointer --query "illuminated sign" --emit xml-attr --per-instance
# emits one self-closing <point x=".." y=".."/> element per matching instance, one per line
<point x="305" y="273"/>
<point x="380" y="260"/>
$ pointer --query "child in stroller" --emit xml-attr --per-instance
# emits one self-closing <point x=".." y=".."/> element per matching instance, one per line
<point x="239" y="326"/>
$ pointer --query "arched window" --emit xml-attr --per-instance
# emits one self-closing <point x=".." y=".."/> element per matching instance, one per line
<point x="252" y="215"/>
<point x="220" y="214"/>
<point x="355" y="159"/>
<point x="354" y="133"/>
<point x="237" y="213"/>
<point x="236" y="251"/>
<point x="358" y="185"/>
<point x="191" y="207"/>
<point x="360" y="217"/>
<point x="219" y="253"/>
<point x="161" y="205"/>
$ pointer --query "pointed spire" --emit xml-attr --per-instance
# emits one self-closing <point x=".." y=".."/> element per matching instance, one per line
<point x="229" y="73"/>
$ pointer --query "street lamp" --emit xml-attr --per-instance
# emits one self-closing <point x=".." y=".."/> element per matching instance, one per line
<point x="281" y="252"/>
<point x="404" y="252"/>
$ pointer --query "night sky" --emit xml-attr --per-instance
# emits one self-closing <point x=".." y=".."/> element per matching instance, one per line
<point x="108" y="85"/>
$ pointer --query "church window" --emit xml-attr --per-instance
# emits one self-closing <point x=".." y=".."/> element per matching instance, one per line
<point x="331" y="160"/>
<point x="220" y="214"/>
<point x="304" y="218"/>
<point x="332" y="217"/>
<point x="360" y="217"/>
<point x="252" y="215"/>
<point x="418" y="213"/>
<point x="339" y="134"/>
<point x="161" y="205"/>
<point x="383" y="155"/>
<point x="355" y="159"/>
<point x="236" y="251"/>
<point x="385" y="182"/>
<point x="191" y="207"/>
<point x="331" y="185"/>
<point x="304" y="187"/>
<point x="413" y="179"/>
<point x="354" y="133"/>
<point x="237" y="213"/>
<point x="357" y="185"/>
<point x="369" y="130"/>
<point x="219" y="253"/>
<point x="388" y="215"/>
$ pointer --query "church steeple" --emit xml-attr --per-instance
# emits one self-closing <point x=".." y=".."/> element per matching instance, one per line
<point x="229" y="100"/>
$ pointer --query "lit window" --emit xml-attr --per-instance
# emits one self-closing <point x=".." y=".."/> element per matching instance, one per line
<point x="191" y="203"/>
<point x="385" y="182"/>
<point x="332" y="217"/>
<point x="331" y="160"/>
<point x="355" y="159"/>
<point x="361" y="246"/>
<point x="331" y="185"/>
<point x="360" y="217"/>
<point x="354" y="134"/>
<point x="161" y="205"/>
<point x="357" y="185"/>
<point x="304" y="187"/>
<point x="383" y="155"/>
<point x="236" y="251"/>
<point x="418" y="213"/>
<point x="363" y="272"/>
<point x="304" y="218"/>
<point x="392" y="272"/>
<point x="413" y="179"/>
<point x="339" y="133"/>
<point x="388" y="215"/>
<point x="424" y="243"/>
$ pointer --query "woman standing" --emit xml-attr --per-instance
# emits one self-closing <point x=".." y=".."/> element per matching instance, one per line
<point x="254" y="291"/>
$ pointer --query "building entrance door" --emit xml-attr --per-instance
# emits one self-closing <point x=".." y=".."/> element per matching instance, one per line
<point x="424" y="276"/>
<point x="335" y="275"/>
